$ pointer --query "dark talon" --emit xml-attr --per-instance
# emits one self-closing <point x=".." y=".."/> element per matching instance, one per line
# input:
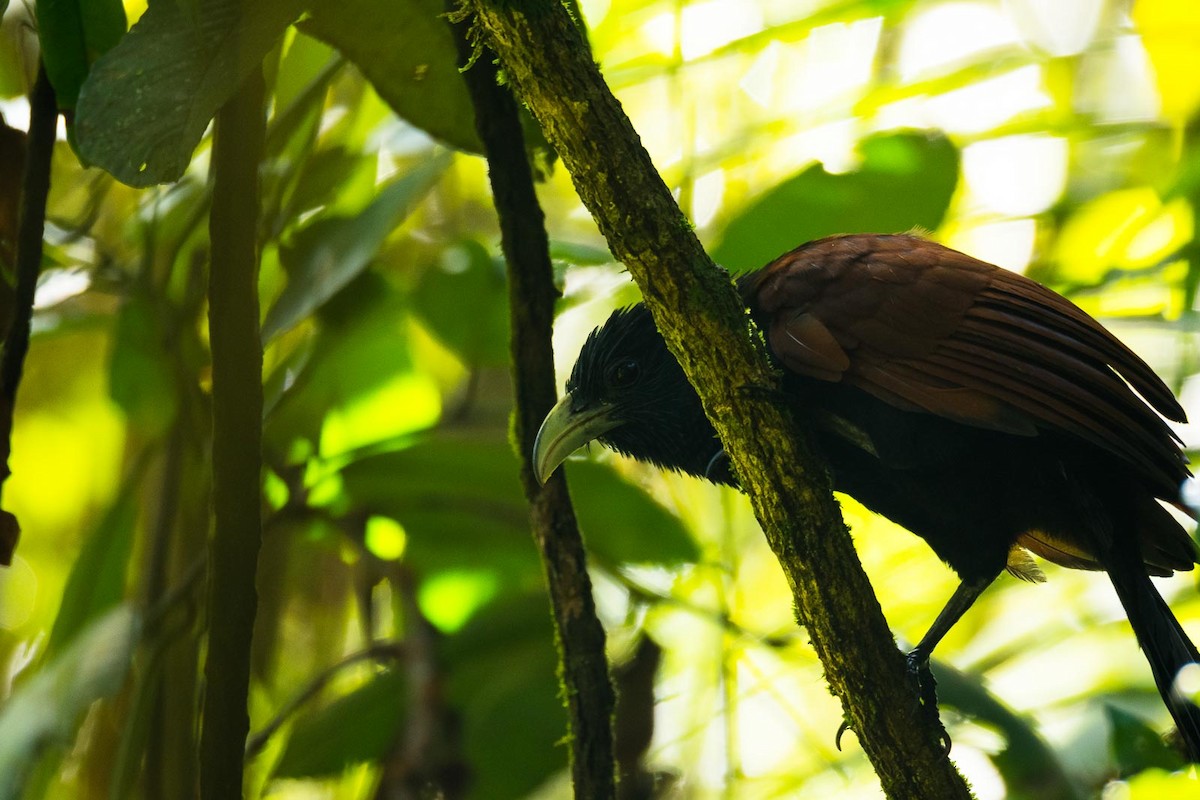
<point x="837" y="740"/>
<point x="714" y="463"/>
<point x="926" y="688"/>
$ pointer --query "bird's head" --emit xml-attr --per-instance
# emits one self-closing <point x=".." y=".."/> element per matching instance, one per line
<point x="628" y="392"/>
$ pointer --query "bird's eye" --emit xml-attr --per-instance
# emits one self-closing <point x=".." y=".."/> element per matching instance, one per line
<point x="623" y="374"/>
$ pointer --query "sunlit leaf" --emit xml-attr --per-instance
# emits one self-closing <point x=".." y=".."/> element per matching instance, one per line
<point x="1126" y="229"/>
<point x="1169" y="30"/>
<point x="1161" y="784"/>
<point x="905" y="181"/>
<point x="322" y="258"/>
<point x="449" y="599"/>
<point x="47" y="709"/>
<point x="357" y="385"/>
<point x="359" y="726"/>
<point x="73" y="34"/>
<point x="405" y="50"/>
<point x="147" y="102"/>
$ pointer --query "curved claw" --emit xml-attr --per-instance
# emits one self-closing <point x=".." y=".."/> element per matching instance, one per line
<point x="715" y="463"/>
<point x="946" y="744"/>
<point x="837" y="740"/>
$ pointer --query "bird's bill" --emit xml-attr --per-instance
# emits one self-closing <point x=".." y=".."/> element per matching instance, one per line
<point x="564" y="431"/>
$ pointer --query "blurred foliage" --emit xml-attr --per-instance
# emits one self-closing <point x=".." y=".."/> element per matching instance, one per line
<point x="1057" y="138"/>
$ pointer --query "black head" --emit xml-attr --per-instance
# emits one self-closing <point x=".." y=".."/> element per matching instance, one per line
<point x="627" y="391"/>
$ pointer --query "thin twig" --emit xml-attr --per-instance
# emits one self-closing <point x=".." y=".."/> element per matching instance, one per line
<point x="380" y="651"/>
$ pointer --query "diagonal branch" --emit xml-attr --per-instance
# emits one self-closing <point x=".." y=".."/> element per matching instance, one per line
<point x="550" y="65"/>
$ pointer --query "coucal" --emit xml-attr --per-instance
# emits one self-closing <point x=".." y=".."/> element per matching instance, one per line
<point x="969" y="404"/>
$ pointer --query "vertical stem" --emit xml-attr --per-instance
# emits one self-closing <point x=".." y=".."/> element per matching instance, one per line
<point x="43" y="119"/>
<point x="586" y="687"/>
<point x="237" y="437"/>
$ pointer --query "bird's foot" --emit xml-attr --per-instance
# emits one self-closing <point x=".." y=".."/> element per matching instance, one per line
<point x="925" y="687"/>
<point x="921" y="677"/>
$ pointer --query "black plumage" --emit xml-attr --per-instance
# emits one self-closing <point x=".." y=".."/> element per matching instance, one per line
<point x="974" y="407"/>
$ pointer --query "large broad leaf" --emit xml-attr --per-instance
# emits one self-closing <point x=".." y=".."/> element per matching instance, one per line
<point x="623" y="523"/>
<point x="464" y="302"/>
<point x="324" y="257"/>
<point x="146" y="103"/>
<point x="73" y="34"/>
<point x="905" y="180"/>
<point x="462" y="505"/>
<point x="405" y="50"/>
<point x="47" y="709"/>
<point x="502" y="672"/>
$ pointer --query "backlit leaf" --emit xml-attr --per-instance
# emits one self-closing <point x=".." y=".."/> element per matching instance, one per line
<point x="325" y="256"/>
<point x="147" y="102"/>
<point x="905" y="180"/>
<point x="405" y="50"/>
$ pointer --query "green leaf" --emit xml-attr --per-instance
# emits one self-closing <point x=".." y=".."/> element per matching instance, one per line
<point x="1137" y="746"/>
<point x="357" y="385"/>
<point x="145" y="105"/>
<point x="97" y="579"/>
<point x="140" y="375"/>
<point x="458" y="500"/>
<point x="623" y="523"/>
<point x="46" y="710"/>
<point x="405" y="50"/>
<point x="464" y="302"/>
<point x="359" y="726"/>
<point x="501" y="669"/>
<point x="500" y="674"/>
<point x="462" y="505"/>
<point x="73" y="34"/>
<point x="325" y="256"/>
<point x="905" y="180"/>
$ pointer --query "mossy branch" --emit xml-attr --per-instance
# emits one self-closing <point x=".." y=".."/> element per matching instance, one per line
<point x="550" y="66"/>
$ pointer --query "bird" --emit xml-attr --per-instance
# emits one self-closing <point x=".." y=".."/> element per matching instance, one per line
<point x="967" y="403"/>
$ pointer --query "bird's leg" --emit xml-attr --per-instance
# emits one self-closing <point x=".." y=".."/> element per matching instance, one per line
<point x="918" y="658"/>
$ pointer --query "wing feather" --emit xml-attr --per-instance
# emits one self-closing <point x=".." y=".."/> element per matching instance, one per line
<point x="923" y="327"/>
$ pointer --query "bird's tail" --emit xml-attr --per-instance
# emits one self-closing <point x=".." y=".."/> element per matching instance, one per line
<point x="1167" y="647"/>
